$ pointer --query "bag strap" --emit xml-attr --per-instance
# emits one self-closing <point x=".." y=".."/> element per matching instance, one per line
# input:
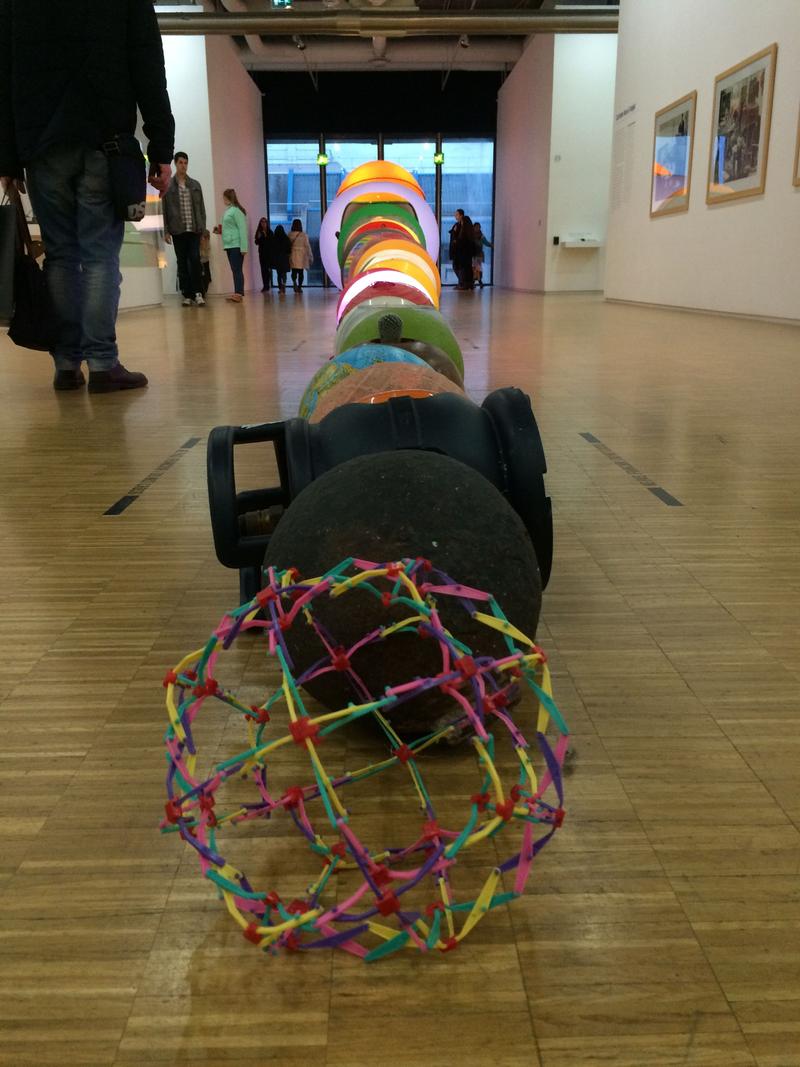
<point x="23" y="230"/>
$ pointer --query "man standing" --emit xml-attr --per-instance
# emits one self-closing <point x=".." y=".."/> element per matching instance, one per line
<point x="184" y="223"/>
<point x="71" y="78"/>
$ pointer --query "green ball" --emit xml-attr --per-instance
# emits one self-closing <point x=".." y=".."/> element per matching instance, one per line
<point x="360" y="326"/>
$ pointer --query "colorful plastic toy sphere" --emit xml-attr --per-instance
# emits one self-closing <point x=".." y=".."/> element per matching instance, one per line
<point x="368" y="898"/>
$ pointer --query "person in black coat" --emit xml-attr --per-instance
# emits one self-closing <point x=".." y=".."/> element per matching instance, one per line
<point x="463" y="251"/>
<point x="265" y="240"/>
<point x="282" y="246"/>
<point x="72" y="76"/>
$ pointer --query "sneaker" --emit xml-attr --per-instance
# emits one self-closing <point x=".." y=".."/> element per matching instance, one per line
<point x="109" y="381"/>
<point x="187" y="302"/>
<point x="199" y="300"/>
<point x="68" y="378"/>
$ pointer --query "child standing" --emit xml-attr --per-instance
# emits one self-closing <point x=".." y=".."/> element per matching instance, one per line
<point x="477" y="258"/>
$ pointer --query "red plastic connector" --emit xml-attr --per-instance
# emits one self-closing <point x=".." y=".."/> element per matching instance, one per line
<point x="558" y="817"/>
<point x="515" y="792"/>
<point x="424" y="563"/>
<point x="251" y="933"/>
<point x="431" y="909"/>
<point x="173" y="810"/>
<point x="466" y="666"/>
<point x="393" y="570"/>
<point x="505" y="810"/>
<point x="450" y="944"/>
<point x="380" y="875"/>
<point x="298" y="907"/>
<point x="304" y="730"/>
<point x="403" y="753"/>
<point x="170" y="678"/>
<point x="386" y="599"/>
<point x="292" y="797"/>
<point x="481" y="799"/>
<point x="271" y="899"/>
<point x="260" y="715"/>
<point x="388" y="903"/>
<point x="539" y="652"/>
<point x="339" y="660"/>
<point x="265" y="596"/>
<point x="430" y="830"/>
<point x="292" y="942"/>
<point x="209" y="688"/>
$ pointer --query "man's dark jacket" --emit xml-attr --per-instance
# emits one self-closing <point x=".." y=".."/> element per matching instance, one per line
<point x="74" y="71"/>
<point x="173" y="222"/>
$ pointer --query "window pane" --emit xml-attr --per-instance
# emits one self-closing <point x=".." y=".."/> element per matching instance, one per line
<point x="467" y="181"/>
<point x="416" y="156"/>
<point x="344" y="156"/>
<point x="293" y="175"/>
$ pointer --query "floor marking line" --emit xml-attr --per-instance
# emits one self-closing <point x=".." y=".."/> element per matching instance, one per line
<point x="648" y="483"/>
<point x="133" y="494"/>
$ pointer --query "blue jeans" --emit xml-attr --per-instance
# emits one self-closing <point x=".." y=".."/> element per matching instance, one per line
<point x="236" y="260"/>
<point x="70" y="195"/>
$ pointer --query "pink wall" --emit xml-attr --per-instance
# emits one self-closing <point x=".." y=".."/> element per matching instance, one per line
<point x="523" y="163"/>
<point x="237" y="150"/>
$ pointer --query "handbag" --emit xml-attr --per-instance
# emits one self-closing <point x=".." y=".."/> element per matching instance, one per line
<point x="127" y="177"/>
<point x="8" y="246"/>
<point x="34" y="323"/>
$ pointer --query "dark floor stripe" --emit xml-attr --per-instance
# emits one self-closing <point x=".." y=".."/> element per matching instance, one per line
<point x="668" y="498"/>
<point x="125" y="501"/>
<point x="648" y="483"/>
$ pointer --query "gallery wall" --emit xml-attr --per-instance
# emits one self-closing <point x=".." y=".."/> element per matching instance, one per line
<point x="524" y="109"/>
<point x="743" y="256"/>
<point x="554" y="127"/>
<point x="237" y="142"/>
<point x="217" y="111"/>
<point x="580" y="158"/>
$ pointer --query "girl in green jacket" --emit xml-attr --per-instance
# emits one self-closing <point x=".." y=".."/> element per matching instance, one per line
<point x="234" y="241"/>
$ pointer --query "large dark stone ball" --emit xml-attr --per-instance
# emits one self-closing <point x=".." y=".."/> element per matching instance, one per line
<point x="385" y="507"/>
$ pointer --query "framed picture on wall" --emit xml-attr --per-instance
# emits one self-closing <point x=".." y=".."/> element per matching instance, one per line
<point x="740" y="120"/>
<point x="796" y="175"/>
<point x="673" y="143"/>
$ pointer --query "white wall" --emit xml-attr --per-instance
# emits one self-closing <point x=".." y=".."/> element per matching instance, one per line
<point x="743" y="256"/>
<point x="554" y="128"/>
<point x="524" y="110"/>
<point x="580" y="158"/>
<point x="237" y="142"/>
<point x="217" y="110"/>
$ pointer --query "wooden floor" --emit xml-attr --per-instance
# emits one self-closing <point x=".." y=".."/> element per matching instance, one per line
<point x="662" y="926"/>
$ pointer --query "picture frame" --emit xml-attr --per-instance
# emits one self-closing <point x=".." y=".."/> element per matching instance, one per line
<point x="740" y="124"/>
<point x="796" y="173"/>
<point x="673" y="148"/>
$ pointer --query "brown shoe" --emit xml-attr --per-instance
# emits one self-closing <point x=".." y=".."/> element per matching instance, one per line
<point x="235" y="299"/>
<point x="68" y="378"/>
<point x="110" y="381"/>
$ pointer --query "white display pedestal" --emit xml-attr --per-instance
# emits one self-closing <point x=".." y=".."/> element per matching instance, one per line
<point x="141" y="274"/>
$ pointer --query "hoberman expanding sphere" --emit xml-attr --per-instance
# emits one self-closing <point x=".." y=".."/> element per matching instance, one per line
<point x="410" y="886"/>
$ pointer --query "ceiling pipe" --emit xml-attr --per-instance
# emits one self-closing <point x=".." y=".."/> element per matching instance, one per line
<point x="390" y="23"/>
<point x="405" y="54"/>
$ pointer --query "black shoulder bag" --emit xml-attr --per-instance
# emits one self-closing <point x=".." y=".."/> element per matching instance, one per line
<point x="34" y="323"/>
<point x="127" y="174"/>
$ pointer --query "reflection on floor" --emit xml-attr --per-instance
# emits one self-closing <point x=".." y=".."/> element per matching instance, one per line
<point x="661" y="926"/>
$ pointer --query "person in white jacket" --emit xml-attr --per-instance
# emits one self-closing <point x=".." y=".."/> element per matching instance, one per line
<point x="300" y="257"/>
